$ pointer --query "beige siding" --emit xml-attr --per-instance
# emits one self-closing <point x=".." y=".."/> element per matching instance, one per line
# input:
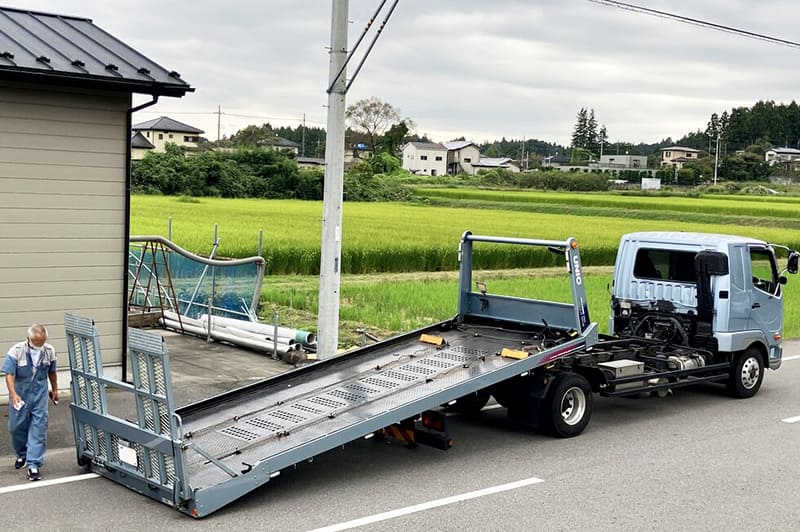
<point x="62" y="211"/>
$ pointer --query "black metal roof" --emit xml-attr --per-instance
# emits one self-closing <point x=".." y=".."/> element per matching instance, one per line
<point x="45" y="47"/>
<point x="164" y="123"/>
<point x="139" y="141"/>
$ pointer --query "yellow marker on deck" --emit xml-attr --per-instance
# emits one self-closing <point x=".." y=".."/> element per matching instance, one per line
<point x="514" y="353"/>
<point x="432" y="339"/>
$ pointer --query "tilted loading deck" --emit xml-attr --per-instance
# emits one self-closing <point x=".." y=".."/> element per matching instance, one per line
<point x="201" y="457"/>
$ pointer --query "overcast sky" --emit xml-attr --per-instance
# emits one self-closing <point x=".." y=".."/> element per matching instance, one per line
<point x="471" y="68"/>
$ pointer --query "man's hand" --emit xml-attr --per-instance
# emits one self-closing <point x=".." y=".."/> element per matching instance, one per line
<point x="16" y="401"/>
<point x="54" y="396"/>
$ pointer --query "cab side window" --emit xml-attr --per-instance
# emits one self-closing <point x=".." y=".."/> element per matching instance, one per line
<point x="666" y="265"/>
<point x="764" y="270"/>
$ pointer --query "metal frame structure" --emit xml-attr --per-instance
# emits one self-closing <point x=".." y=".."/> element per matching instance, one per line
<point x="200" y="457"/>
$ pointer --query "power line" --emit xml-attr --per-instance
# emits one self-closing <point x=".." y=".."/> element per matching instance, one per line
<point x="696" y="22"/>
<point x="299" y="119"/>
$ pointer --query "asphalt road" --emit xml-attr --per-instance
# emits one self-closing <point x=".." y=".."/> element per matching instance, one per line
<point x="695" y="461"/>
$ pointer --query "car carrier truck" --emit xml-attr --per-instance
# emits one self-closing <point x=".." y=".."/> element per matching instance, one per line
<point x="686" y="308"/>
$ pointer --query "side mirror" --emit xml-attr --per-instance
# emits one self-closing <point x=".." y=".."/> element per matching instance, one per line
<point x="782" y="279"/>
<point x="791" y="265"/>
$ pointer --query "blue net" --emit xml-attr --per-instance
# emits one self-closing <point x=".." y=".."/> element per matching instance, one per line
<point x="162" y="276"/>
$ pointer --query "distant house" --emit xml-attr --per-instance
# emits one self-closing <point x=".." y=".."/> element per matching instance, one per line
<point x="489" y="163"/>
<point x="677" y="156"/>
<point x="782" y="156"/>
<point x="310" y="162"/>
<point x="162" y="130"/>
<point x="461" y="155"/>
<point x="280" y="143"/>
<point x="427" y="158"/>
<point x="139" y="145"/>
<point x="634" y="162"/>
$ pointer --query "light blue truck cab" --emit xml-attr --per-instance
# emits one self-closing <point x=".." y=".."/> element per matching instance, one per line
<point x="722" y="293"/>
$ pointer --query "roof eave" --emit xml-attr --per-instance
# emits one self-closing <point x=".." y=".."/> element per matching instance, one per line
<point x="128" y="85"/>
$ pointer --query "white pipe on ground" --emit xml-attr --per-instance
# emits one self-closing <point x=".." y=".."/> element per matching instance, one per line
<point x="303" y="337"/>
<point x="257" y="345"/>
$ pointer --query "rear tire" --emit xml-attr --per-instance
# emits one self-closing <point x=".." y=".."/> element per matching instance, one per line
<point x="568" y="407"/>
<point x="747" y="373"/>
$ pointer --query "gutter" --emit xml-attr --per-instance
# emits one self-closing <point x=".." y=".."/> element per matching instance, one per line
<point x="126" y="250"/>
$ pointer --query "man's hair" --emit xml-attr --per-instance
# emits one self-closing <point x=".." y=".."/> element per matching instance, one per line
<point x="36" y="330"/>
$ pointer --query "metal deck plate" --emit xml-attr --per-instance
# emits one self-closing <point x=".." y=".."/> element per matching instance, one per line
<point x="293" y="414"/>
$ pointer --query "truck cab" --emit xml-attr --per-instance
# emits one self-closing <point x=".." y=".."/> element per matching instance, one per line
<point x="721" y="293"/>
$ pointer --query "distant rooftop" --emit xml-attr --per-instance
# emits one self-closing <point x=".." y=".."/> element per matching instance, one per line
<point x="457" y="144"/>
<point x="428" y="145"/>
<point x="48" y="48"/>
<point x="680" y="148"/>
<point x="493" y="162"/>
<point x="791" y="151"/>
<point x="280" y="142"/>
<point x="164" y="123"/>
<point x="139" y="141"/>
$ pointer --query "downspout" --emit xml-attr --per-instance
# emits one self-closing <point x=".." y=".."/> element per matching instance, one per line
<point x="126" y="251"/>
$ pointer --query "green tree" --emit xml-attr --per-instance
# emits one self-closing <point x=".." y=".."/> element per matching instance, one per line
<point x="580" y="131"/>
<point x="395" y="137"/>
<point x="373" y="117"/>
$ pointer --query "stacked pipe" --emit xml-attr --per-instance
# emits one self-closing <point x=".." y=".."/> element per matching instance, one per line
<point x="237" y="336"/>
<point x="304" y="337"/>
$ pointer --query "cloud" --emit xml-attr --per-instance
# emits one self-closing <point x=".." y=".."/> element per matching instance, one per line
<point x="479" y="69"/>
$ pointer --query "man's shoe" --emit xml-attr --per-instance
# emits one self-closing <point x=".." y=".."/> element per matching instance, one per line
<point x="19" y="462"/>
<point x="33" y="474"/>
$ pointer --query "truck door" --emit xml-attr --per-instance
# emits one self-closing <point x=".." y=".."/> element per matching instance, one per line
<point x="766" y="297"/>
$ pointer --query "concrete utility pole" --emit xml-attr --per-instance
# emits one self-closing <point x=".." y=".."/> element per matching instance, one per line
<point x="716" y="160"/>
<point x="331" y="253"/>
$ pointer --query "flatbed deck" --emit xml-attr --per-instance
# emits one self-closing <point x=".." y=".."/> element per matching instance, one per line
<point x="296" y="416"/>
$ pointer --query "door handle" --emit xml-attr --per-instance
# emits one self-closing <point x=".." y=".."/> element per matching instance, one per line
<point x="755" y="305"/>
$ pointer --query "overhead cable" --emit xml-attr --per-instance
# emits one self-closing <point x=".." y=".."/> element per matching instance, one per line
<point x="696" y="22"/>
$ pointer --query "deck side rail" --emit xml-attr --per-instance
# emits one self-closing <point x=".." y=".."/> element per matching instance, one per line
<point x="479" y="303"/>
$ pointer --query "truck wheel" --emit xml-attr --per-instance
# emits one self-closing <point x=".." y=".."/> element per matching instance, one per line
<point x="568" y="406"/>
<point x="471" y="403"/>
<point x="747" y="373"/>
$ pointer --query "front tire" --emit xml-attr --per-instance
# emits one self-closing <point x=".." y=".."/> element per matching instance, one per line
<point x="568" y="407"/>
<point x="747" y="373"/>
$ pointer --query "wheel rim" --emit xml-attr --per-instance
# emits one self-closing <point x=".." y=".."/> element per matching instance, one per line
<point x="750" y="372"/>
<point x="573" y="406"/>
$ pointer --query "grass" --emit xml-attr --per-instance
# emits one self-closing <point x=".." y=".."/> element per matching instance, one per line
<point x="398" y="237"/>
<point x="388" y="304"/>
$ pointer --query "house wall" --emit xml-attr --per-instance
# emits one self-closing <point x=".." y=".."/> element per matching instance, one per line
<point x="62" y="212"/>
<point x="624" y="161"/>
<point x="668" y="156"/>
<point x="464" y="158"/>
<point x="413" y="160"/>
<point x="139" y="153"/>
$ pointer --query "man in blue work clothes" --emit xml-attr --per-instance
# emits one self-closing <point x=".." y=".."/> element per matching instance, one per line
<point x="28" y="367"/>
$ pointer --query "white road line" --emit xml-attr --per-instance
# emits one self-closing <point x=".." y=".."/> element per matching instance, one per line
<point x="428" y="505"/>
<point x="794" y="419"/>
<point x="795" y="357"/>
<point x="45" y="483"/>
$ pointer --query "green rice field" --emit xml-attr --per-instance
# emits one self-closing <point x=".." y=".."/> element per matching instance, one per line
<point x="413" y="247"/>
<point x="389" y="304"/>
<point x="402" y="237"/>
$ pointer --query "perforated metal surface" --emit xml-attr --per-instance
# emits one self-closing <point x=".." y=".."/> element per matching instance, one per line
<point x="151" y="391"/>
<point x="378" y="387"/>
